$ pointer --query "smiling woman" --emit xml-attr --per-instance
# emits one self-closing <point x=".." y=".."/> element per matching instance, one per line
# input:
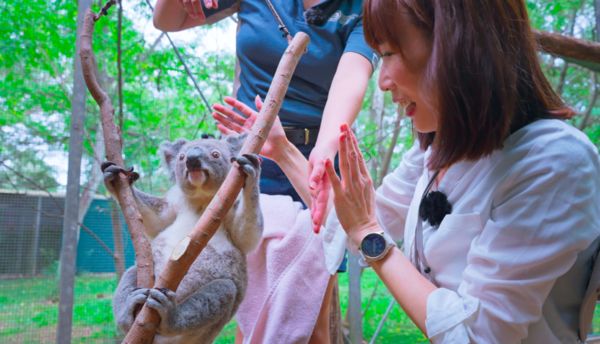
<point x="503" y="264"/>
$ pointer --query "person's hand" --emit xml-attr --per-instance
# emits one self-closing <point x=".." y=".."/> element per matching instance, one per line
<point x="230" y="121"/>
<point x="211" y="3"/>
<point x="194" y="7"/>
<point x="353" y="195"/>
<point x="319" y="185"/>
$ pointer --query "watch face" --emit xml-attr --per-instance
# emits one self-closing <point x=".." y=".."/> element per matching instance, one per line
<point x="373" y="245"/>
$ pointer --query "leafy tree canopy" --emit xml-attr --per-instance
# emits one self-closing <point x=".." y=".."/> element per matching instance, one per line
<point x="160" y="102"/>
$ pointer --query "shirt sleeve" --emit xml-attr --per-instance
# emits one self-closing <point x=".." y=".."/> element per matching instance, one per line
<point x="356" y="44"/>
<point x="394" y="195"/>
<point x="226" y="8"/>
<point x="543" y="214"/>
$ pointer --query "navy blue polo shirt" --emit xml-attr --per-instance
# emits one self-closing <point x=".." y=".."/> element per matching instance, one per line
<point x="260" y="46"/>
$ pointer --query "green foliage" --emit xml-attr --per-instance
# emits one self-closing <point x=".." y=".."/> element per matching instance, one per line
<point x="398" y="327"/>
<point x="36" y="81"/>
<point x="160" y="102"/>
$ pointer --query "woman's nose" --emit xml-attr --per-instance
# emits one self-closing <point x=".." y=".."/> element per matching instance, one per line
<point x="384" y="81"/>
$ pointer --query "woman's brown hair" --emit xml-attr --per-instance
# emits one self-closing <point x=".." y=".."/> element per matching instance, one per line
<point x="483" y="66"/>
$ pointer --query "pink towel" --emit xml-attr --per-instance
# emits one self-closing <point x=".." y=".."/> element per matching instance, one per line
<point x="287" y="277"/>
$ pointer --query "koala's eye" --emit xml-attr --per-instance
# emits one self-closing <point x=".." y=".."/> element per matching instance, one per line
<point x="181" y="156"/>
<point x="215" y="154"/>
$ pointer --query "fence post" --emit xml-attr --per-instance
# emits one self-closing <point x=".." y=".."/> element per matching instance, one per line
<point x="36" y="236"/>
<point x="354" y="302"/>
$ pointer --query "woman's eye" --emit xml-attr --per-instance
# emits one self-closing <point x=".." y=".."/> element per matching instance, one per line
<point x="215" y="154"/>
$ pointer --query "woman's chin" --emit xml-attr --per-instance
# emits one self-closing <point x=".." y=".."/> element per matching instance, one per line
<point x="422" y="128"/>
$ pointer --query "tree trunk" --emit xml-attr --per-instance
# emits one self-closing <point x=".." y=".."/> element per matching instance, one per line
<point x="354" y="313"/>
<point x="565" y="67"/>
<point x="68" y="253"/>
<point x="90" y="188"/>
<point x="376" y="116"/>
<point x="335" y="317"/>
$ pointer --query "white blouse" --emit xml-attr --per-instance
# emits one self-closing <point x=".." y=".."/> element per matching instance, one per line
<point x="513" y="259"/>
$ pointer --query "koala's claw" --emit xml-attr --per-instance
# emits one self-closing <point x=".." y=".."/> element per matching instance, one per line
<point x="134" y="302"/>
<point x="166" y="291"/>
<point x="163" y="301"/>
<point x="249" y="163"/>
<point x="112" y="170"/>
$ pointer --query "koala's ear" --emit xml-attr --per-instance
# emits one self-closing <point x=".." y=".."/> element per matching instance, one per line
<point x="169" y="152"/>
<point x="235" y="142"/>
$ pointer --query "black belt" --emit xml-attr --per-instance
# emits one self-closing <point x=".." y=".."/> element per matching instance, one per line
<point x="302" y="136"/>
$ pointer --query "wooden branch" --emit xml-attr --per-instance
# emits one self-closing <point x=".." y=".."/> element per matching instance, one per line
<point x="189" y="248"/>
<point x="112" y="141"/>
<point x="574" y="50"/>
<point x="390" y="150"/>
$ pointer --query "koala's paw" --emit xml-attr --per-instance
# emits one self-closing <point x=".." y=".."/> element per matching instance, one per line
<point x="111" y="174"/>
<point x="250" y="165"/>
<point x="133" y="303"/>
<point x="163" y="301"/>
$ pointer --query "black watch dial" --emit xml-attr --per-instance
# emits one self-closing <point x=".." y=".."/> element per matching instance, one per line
<point x="373" y="245"/>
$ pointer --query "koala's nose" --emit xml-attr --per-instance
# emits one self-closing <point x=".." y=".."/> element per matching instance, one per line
<point x="194" y="160"/>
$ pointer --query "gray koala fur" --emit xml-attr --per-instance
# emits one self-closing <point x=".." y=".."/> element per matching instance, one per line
<point x="215" y="284"/>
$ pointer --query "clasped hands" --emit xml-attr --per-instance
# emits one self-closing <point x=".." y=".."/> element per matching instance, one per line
<point x="353" y="192"/>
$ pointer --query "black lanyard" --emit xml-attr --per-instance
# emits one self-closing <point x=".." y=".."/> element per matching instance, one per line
<point x="282" y="27"/>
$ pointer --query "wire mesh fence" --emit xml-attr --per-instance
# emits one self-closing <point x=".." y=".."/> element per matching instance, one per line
<point x="30" y="244"/>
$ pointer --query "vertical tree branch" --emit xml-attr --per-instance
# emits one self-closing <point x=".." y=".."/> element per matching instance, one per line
<point x="390" y="151"/>
<point x="112" y="140"/>
<point x="565" y="67"/>
<point x="376" y="116"/>
<point x="118" y="256"/>
<point x="119" y="64"/>
<point x="188" y="249"/>
<point x="592" y="102"/>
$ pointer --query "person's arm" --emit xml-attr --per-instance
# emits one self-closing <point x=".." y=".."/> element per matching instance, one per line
<point x="355" y="207"/>
<point x="177" y="15"/>
<point x="343" y="105"/>
<point x="519" y="253"/>
<point x="171" y="15"/>
<point x="276" y="147"/>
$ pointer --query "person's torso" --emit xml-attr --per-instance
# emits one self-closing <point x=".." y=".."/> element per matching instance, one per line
<point x="260" y="46"/>
<point x="472" y="187"/>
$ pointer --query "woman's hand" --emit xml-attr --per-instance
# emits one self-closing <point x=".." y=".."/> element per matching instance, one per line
<point x="353" y="195"/>
<point x="230" y="121"/>
<point x="319" y="185"/>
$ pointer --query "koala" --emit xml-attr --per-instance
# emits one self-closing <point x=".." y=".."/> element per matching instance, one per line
<point x="211" y="291"/>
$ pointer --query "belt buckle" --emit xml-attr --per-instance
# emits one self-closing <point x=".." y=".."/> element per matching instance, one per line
<point x="306" y="136"/>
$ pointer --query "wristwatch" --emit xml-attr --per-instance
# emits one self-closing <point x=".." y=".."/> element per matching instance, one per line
<point x="375" y="246"/>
